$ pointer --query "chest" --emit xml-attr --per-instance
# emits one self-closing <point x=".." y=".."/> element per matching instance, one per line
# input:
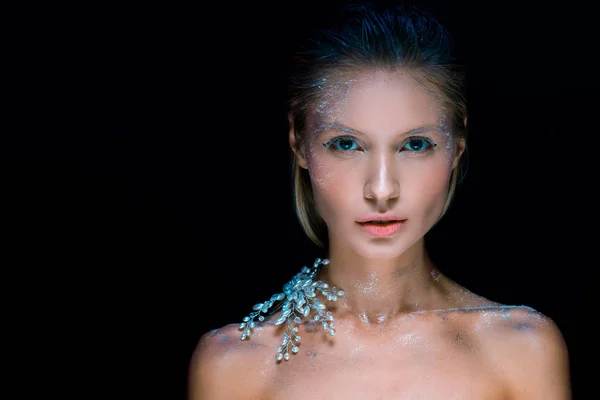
<point x="409" y="368"/>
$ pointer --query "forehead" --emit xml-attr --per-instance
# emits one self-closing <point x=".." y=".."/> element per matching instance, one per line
<point x="377" y="102"/>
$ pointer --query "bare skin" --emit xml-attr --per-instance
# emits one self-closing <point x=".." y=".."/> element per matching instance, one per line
<point x="404" y="330"/>
<point x="475" y="349"/>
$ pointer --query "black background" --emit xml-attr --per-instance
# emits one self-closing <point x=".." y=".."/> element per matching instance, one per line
<point x="146" y="179"/>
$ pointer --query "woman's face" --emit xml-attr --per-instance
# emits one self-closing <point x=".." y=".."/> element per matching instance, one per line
<point x="378" y="146"/>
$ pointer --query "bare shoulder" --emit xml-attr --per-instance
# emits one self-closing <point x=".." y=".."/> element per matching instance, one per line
<point x="523" y="328"/>
<point x="528" y="349"/>
<point x="225" y="367"/>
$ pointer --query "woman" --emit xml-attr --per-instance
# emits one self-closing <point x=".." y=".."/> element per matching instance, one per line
<point x="378" y="129"/>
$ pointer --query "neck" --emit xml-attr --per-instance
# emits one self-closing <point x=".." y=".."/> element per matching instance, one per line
<point x="376" y="289"/>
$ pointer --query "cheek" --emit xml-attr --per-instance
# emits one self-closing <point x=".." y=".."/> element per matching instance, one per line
<point x="429" y="184"/>
<point x="334" y="183"/>
<point x="325" y="173"/>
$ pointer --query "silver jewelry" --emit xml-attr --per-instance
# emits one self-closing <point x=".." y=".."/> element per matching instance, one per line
<point x="298" y="298"/>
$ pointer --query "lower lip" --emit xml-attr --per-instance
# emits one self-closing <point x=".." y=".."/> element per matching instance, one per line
<point x="382" y="229"/>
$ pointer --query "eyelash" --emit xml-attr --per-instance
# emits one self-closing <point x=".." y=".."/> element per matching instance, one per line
<point x="334" y="142"/>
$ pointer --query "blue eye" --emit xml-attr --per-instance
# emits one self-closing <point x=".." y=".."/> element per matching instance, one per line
<point x="342" y="143"/>
<point x="346" y="144"/>
<point x="418" y="144"/>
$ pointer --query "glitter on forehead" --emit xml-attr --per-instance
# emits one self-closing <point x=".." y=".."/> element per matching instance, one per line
<point x="325" y="126"/>
<point x="447" y="132"/>
<point x="444" y="124"/>
<point x="330" y="95"/>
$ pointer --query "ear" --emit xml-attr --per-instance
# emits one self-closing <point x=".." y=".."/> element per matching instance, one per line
<point x="461" y="145"/>
<point x="295" y="144"/>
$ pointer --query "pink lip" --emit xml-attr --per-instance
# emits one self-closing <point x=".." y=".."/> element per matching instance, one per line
<point x="382" y="229"/>
<point x="379" y="217"/>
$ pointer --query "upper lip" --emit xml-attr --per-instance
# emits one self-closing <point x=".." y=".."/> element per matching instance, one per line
<point x="379" y="217"/>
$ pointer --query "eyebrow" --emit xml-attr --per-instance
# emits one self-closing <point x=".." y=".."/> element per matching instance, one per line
<point x="343" y="128"/>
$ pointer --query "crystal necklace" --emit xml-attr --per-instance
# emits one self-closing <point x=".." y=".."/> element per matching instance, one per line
<point x="297" y="301"/>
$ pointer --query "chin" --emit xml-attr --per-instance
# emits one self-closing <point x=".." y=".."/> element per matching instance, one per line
<point x="380" y="248"/>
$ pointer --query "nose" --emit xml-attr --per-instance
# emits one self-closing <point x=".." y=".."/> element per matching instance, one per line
<point x="382" y="181"/>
